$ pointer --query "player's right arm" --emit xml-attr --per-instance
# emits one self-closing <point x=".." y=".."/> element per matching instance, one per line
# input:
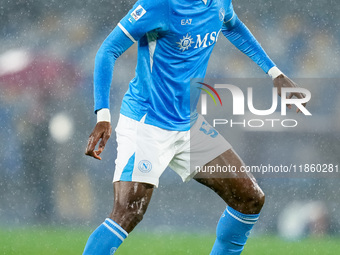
<point x="113" y="46"/>
<point x="145" y="16"/>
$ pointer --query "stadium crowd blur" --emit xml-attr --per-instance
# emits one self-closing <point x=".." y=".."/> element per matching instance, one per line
<point x="47" y="52"/>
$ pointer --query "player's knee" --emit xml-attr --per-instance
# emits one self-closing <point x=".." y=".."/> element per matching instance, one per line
<point x="136" y="216"/>
<point x="251" y="201"/>
<point x="256" y="201"/>
<point x="128" y="218"/>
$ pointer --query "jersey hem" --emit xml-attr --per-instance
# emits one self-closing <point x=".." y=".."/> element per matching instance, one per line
<point x="156" y="123"/>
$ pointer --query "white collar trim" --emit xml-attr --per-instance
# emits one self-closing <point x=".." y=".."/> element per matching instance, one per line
<point x="205" y="2"/>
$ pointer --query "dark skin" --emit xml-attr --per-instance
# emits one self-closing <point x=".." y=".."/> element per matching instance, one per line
<point x="239" y="190"/>
<point x="282" y="81"/>
<point x="101" y="131"/>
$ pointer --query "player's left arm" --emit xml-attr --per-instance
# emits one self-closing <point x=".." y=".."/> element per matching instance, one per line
<point x="239" y="35"/>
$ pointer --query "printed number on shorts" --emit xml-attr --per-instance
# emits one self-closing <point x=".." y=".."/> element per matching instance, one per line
<point x="208" y="130"/>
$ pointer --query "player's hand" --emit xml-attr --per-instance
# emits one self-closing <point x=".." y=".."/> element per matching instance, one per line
<point x="101" y="131"/>
<point x="282" y="81"/>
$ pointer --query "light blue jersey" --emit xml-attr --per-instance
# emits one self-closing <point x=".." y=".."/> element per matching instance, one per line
<point x="175" y="39"/>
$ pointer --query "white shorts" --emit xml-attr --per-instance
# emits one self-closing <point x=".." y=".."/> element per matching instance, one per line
<point x="144" y="151"/>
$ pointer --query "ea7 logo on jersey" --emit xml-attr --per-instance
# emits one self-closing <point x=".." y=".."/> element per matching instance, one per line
<point x="186" y="22"/>
<point x="137" y="14"/>
<point x="202" y="41"/>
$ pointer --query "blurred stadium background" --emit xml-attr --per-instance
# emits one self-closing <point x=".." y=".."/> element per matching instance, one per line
<point x="47" y="51"/>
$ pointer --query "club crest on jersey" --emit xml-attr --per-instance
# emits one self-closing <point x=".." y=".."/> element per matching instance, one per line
<point x="137" y="14"/>
<point x="221" y="14"/>
<point x="144" y="166"/>
<point x="185" y="43"/>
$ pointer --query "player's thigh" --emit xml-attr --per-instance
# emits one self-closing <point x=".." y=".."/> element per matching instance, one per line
<point x="235" y="186"/>
<point x="197" y="147"/>
<point x="206" y="143"/>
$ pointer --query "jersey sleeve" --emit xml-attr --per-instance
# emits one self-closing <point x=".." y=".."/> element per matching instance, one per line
<point x="229" y="17"/>
<point x="145" y="16"/>
<point x="239" y="35"/>
<point x="113" y="46"/>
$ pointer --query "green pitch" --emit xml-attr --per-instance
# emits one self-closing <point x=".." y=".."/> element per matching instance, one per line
<point x="36" y="241"/>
